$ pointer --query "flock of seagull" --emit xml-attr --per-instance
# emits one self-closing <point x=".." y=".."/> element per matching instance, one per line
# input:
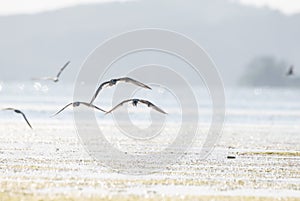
<point x="109" y="83"/>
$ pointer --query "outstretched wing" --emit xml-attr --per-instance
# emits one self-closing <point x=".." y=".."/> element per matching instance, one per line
<point x="43" y="78"/>
<point x="135" y="82"/>
<point x="18" y="111"/>
<point x="8" y="109"/>
<point x="62" y="69"/>
<point x="93" y="106"/>
<point x="119" y="105"/>
<point x="26" y="119"/>
<point x="61" y="110"/>
<point x="149" y="104"/>
<point x="98" y="90"/>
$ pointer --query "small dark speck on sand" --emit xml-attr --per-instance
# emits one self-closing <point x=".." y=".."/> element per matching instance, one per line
<point x="230" y="157"/>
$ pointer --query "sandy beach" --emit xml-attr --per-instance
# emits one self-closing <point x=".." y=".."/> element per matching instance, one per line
<point x="50" y="163"/>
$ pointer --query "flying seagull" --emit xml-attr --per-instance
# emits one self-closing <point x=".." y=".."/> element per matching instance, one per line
<point x="56" y="78"/>
<point x="113" y="82"/>
<point x="19" y="112"/>
<point x="76" y="104"/>
<point x="291" y="71"/>
<point x="135" y="102"/>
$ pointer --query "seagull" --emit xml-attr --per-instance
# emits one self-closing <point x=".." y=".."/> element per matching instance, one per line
<point x="56" y="78"/>
<point x="76" y="104"/>
<point x="19" y="112"/>
<point x="291" y="71"/>
<point x="135" y="102"/>
<point x="113" y="82"/>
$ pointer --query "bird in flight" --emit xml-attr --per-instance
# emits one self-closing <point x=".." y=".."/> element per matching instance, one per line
<point x="135" y="102"/>
<point x="19" y="112"/>
<point x="113" y="82"/>
<point x="290" y="71"/>
<point x="56" y="78"/>
<point x="77" y="104"/>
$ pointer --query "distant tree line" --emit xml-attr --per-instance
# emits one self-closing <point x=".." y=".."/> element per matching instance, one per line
<point x="269" y="71"/>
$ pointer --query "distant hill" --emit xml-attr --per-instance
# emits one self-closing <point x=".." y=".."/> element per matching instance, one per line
<point x="232" y="34"/>
<point x="269" y="72"/>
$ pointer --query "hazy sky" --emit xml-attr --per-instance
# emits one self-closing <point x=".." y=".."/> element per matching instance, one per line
<point x="9" y="7"/>
<point x="285" y="6"/>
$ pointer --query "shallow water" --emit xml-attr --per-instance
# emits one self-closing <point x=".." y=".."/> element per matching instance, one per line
<point x="262" y="132"/>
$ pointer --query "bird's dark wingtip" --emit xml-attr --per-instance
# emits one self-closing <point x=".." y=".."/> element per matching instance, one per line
<point x="164" y="112"/>
<point x="147" y="87"/>
<point x="53" y="115"/>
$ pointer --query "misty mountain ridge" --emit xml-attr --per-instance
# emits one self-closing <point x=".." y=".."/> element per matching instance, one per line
<point x="232" y="34"/>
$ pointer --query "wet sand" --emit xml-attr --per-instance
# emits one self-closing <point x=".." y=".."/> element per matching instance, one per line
<point x="49" y="163"/>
